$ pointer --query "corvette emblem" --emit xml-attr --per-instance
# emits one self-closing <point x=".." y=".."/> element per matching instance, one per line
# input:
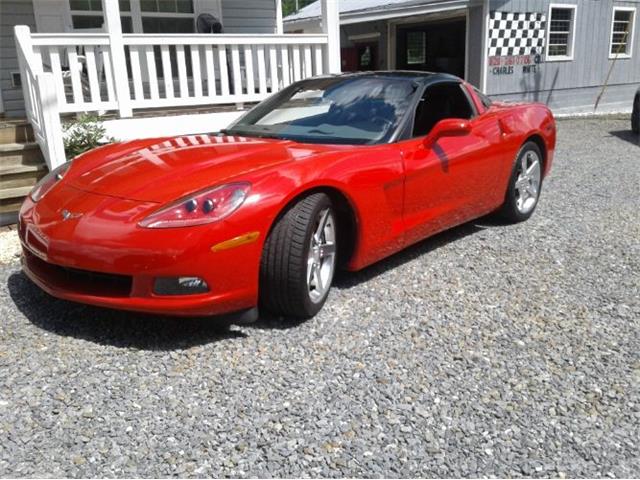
<point x="66" y="214"/>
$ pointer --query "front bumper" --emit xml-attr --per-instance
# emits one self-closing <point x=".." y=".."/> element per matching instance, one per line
<point x="106" y="260"/>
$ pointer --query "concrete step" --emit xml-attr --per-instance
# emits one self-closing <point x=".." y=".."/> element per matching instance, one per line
<point x="15" y="131"/>
<point x="27" y="153"/>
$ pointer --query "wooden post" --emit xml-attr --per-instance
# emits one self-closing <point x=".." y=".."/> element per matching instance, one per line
<point x="111" y="11"/>
<point x="331" y="27"/>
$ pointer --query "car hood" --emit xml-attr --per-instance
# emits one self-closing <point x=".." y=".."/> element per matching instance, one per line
<point x="165" y="169"/>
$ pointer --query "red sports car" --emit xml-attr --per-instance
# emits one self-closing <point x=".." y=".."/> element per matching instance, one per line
<point x="331" y="171"/>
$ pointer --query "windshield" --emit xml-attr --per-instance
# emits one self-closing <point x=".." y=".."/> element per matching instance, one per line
<point x="353" y="110"/>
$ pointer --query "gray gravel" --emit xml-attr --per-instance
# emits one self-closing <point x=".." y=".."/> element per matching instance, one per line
<point x="490" y="350"/>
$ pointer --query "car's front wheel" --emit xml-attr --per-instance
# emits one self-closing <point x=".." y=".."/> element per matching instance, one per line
<point x="299" y="258"/>
<point x="525" y="183"/>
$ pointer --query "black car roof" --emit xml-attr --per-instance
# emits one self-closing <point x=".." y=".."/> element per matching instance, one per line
<point x="416" y="76"/>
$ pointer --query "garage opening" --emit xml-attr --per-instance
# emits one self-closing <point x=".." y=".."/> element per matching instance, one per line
<point x="437" y="46"/>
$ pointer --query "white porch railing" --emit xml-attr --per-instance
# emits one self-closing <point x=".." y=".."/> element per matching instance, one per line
<point x="40" y="101"/>
<point x="99" y="72"/>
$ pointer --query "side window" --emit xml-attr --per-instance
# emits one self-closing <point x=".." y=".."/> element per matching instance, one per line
<point x="484" y="100"/>
<point x="444" y="100"/>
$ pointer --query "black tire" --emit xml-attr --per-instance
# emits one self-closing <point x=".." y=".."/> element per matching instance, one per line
<point x="283" y="269"/>
<point x="509" y="210"/>
<point x="635" y="115"/>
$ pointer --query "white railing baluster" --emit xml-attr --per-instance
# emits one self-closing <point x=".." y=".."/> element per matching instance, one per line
<point x="284" y="59"/>
<point x="92" y="73"/>
<point x="273" y="68"/>
<point x="195" y="68"/>
<point x="235" y="68"/>
<point x="108" y="76"/>
<point x="136" y="72"/>
<point x="211" y="72"/>
<point x="74" y="71"/>
<point x="224" y="72"/>
<point x="297" y="69"/>
<point x="308" y="66"/>
<point x="248" y="66"/>
<point x="182" y="71"/>
<point x="317" y="49"/>
<point x="262" y="71"/>
<point x="153" y="74"/>
<point x="56" y="70"/>
<point x="167" y="74"/>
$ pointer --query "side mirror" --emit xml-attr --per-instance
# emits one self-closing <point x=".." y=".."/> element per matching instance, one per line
<point x="449" y="127"/>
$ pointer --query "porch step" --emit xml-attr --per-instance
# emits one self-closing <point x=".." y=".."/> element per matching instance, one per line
<point x="21" y="166"/>
<point x="10" y="201"/>
<point x="20" y="154"/>
<point x="15" y="131"/>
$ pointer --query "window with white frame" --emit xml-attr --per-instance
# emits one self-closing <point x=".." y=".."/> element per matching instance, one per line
<point x="622" y="27"/>
<point x="561" y="32"/>
<point x="137" y="16"/>
<point x="87" y="14"/>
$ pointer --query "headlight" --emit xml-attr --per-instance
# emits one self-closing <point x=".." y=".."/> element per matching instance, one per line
<point x="199" y="208"/>
<point x="48" y="181"/>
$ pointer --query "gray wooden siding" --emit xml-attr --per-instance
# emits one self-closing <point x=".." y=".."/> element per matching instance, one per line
<point x="12" y="12"/>
<point x="249" y="16"/>
<point x="616" y="98"/>
<point x="574" y="82"/>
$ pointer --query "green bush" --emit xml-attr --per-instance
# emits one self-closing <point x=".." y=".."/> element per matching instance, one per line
<point x="82" y="134"/>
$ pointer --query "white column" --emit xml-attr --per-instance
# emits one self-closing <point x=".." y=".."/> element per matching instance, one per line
<point x="279" y="27"/>
<point x="112" y="24"/>
<point x="331" y="27"/>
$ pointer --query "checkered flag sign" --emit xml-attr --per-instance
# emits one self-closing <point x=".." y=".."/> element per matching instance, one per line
<point x="516" y="34"/>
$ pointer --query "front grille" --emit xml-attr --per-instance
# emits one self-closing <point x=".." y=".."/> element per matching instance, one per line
<point x="79" y="281"/>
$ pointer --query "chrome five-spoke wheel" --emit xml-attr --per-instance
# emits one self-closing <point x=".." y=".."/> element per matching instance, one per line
<point x="321" y="259"/>
<point x="527" y="184"/>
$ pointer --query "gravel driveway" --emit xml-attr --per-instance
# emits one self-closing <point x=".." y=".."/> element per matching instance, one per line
<point x="490" y="350"/>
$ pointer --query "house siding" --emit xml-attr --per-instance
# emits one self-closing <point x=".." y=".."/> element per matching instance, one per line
<point x="12" y="12"/>
<point x="573" y="85"/>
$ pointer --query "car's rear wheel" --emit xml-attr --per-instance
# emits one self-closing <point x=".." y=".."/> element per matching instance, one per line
<point x="635" y="115"/>
<point x="525" y="183"/>
<point x="299" y="259"/>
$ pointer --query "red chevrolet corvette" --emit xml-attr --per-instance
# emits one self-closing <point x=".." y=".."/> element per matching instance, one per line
<point x="331" y="171"/>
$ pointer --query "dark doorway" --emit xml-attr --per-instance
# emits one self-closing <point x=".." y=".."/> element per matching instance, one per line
<point x="361" y="57"/>
<point x="434" y="46"/>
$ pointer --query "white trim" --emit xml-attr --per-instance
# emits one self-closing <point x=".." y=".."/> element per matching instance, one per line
<point x="364" y="36"/>
<point x="485" y="50"/>
<point x="400" y="11"/>
<point x="630" y="38"/>
<point x="562" y="58"/>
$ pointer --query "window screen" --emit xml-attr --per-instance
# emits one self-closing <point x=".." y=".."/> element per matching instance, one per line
<point x="561" y="32"/>
<point x="621" y="33"/>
